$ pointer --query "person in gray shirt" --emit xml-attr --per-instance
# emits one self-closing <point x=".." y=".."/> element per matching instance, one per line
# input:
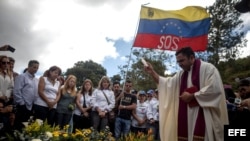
<point x="25" y="92"/>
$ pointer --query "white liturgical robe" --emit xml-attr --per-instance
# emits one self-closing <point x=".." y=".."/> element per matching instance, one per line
<point x="211" y="98"/>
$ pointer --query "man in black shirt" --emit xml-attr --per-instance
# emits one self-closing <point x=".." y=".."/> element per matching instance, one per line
<point x="125" y="108"/>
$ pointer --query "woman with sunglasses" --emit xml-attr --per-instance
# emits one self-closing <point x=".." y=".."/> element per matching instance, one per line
<point x="6" y="79"/>
<point x="6" y="89"/>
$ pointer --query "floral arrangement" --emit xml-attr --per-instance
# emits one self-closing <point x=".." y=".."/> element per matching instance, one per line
<point x="39" y="131"/>
<point x="139" y="137"/>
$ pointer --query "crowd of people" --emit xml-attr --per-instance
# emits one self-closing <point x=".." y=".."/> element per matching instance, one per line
<point x="192" y="105"/>
<point x="56" y="99"/>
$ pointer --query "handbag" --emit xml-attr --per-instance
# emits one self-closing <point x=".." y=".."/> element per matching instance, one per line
<point x="111" y="114"/>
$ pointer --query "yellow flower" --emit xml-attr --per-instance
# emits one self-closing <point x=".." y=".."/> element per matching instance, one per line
<point x="65" y="135"/>
<point x="66" y="127"/>
<point x="88" y="131"/>
<point x="78" y="134"/>
<point x="78" y="131"/>
<point x="56" y="133"/>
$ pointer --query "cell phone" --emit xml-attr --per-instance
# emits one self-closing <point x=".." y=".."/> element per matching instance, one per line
<point x="11" y="49"/>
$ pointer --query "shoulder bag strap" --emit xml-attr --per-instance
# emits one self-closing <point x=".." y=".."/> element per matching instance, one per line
<point x="106" y="97"/>
<point x="84" y="101"/>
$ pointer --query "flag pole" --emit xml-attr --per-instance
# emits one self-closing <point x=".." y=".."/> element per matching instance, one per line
<point x="126" y="73"/>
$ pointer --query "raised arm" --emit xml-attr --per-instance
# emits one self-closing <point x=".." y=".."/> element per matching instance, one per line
<point x="150" y="70"/>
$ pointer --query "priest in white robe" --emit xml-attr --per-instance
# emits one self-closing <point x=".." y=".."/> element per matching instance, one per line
<point x="192" y="102"/>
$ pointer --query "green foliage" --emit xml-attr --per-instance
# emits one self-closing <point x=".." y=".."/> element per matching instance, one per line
<point x="116" y="77"/>
<point x="87" y="70"/>
<point x="232" y="69"/>
<point x="225" y="36"/>
<point x="141" y="80"/>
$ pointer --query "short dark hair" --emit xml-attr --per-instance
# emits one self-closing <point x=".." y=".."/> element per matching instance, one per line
<point x="244" y="82"/>
<point x="52" y="68"/>
<point x="31" y="62"/>
<point x="116" y="82"/>
<point x="186" y="51"/>
<point x="128" y="81"/>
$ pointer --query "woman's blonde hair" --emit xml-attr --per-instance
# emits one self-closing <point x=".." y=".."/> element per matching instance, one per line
<point x="66" y="86"/>
<point x="104" y="78"/>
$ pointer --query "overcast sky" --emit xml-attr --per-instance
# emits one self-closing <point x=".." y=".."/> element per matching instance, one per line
<point x="63" y="32"/>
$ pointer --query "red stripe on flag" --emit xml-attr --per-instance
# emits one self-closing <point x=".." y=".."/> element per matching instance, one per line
<point x="169" y="42"/>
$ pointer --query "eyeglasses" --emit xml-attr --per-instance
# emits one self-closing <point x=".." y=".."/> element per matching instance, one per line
<point x="5" y="62"/>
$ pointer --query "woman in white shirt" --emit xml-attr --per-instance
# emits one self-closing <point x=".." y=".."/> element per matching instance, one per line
<point x="103" y="102"/>
<point x="81" y="117"/>
<point x="139" y="120"/>
<point x="46" y="102"/>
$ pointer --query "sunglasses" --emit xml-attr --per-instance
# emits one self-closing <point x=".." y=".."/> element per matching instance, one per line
<point x="5" y="62"/>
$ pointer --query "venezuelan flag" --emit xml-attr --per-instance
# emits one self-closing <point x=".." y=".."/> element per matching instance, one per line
<point x="172" y="30"/>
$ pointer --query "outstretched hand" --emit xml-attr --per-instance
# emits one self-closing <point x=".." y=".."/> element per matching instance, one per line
<point x="149" y="69"/>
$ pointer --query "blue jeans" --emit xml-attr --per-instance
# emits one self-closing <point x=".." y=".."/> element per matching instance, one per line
<point x="122" y="127"/>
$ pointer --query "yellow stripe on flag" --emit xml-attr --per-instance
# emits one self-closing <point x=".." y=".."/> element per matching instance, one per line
<point x="190" y="13"/>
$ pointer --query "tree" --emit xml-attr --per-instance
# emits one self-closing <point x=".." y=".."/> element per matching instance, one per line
<point x="233" y="69"/>
<point x="225" y="37"/>
<point x="141" y="80"/>
<point x="115" y="78"/>
<point x="87" y="70"/>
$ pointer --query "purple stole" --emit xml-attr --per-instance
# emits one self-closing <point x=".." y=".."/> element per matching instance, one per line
<point x="182" y="115"/>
